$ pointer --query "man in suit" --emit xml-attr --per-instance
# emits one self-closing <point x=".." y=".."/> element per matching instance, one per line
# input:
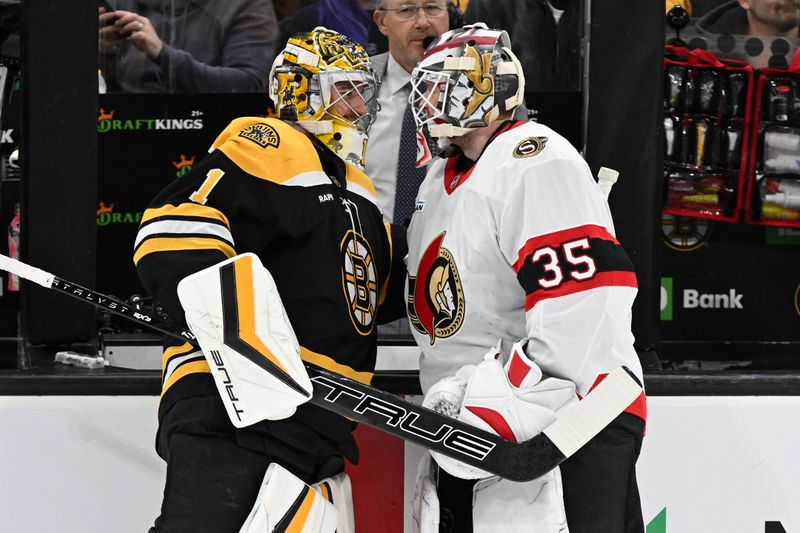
<point x="406" y="24"/>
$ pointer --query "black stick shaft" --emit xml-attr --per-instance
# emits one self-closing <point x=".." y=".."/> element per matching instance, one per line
<point x="381" y="410"/>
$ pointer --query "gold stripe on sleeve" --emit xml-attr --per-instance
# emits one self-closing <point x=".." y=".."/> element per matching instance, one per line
<point x="171" y="244"/>
<point x="172" y="351"/>
<point x="195" y="367"/>
<point x="184" y="210"/>
<point x="327" y="363"/>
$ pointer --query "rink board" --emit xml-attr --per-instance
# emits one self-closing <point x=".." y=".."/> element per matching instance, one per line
<point x="84" y="464"/>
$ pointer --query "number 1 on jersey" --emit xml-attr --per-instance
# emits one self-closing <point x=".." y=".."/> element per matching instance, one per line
<point x="212" y="178"/>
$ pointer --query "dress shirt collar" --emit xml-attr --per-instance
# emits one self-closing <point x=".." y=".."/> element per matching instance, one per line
<point x="396" y="76"/>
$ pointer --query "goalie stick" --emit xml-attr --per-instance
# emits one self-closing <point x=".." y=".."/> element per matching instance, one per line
<point x="386" y="412"/>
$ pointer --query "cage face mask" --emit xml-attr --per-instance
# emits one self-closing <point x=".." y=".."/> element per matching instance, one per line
<point x="466" y="79"/>
<point x="325" y="82"/>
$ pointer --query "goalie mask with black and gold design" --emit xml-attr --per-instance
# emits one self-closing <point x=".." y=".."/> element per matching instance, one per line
<point x="325" y="82"/>
<point x="467" y="78"/>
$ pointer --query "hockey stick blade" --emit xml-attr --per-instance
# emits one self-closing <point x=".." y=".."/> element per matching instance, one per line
<point x="386" y="412"/>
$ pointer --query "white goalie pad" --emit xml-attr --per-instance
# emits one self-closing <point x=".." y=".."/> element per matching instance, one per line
<point x="338" y="491"/>
<point x="236" y="313"/>
<point x="425" y="501"/>
<point x="498" y="505"/>
<point x="285" y="503"/>
<point x="512" y="401"/>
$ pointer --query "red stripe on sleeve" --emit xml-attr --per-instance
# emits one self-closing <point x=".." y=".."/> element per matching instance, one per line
<point x="602" y="279"/>
<point x="555" y="239"/>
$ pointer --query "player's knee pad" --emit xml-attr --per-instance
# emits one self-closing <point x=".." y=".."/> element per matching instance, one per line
<point x="286" y="503"/>
<point x="338" y="491"/>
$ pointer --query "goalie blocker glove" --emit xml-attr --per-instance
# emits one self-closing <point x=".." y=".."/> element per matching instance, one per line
<point x="236" y="313"/>
<point x="512" y="401"/>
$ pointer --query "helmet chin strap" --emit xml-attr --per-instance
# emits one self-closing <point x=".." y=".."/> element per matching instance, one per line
<point x="448" y="130"/>
<point x="317" y="127"/>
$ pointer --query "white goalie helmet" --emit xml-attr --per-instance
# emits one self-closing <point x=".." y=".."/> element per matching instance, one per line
<point x="467" y="78"/>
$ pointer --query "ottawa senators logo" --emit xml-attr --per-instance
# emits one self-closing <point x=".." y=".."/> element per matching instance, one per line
<point x="435" y="295"/>
<point x="360" y="282"/>
<point x="529" y="147"/>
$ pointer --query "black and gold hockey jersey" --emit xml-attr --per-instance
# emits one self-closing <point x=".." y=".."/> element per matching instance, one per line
<point x="273" y="190"/>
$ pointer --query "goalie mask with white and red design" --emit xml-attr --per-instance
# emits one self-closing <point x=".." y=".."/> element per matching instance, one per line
<point x="467" y="78"/>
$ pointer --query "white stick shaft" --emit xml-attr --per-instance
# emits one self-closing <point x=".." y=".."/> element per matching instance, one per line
<point x="587" y="418"/>
<point x="25" y="271"/>
<point x="606" y="178"/>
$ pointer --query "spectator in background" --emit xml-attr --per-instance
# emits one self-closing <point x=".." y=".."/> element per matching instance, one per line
<point x="391" y="153"/>
<point x="352" y="18"/>
<point x="545" y="34"/>
<point x="187" y="45"/>
<point x="776" y="19"/>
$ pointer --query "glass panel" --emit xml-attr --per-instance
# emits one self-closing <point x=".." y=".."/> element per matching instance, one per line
<point x="186" y="46"/>
<point x="10" y="133"/>
<point x="765" y="34"/>
<point x="546" y="36"/>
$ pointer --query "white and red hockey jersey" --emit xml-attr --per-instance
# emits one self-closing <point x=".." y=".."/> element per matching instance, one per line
<point x="519" y="245"/>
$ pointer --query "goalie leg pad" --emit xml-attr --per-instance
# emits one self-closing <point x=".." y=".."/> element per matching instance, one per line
<point x="337" y="490"/>
<point x="235" y="311"/>
<point x="425" y="501"/>
<point x="285" y="503"/>
<point x="500" y="505"/>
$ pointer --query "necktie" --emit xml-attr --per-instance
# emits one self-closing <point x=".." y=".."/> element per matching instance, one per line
<point x="408" y="176"/>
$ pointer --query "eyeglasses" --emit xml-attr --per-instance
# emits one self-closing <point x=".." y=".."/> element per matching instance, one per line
<point x="410" y="12"/>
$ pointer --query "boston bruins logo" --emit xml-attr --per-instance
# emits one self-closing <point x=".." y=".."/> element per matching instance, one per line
<point x="360" y="281"/>
<point x="797" y="300"/>
<point x="685" y="234"/>
<point x="435" y="295"/>
<point x="261" y="134"/>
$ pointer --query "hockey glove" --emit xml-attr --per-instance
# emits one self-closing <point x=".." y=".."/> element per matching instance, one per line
<point x="512" y="401"/>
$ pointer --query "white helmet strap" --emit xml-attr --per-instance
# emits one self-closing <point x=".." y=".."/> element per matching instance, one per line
<point x="513" y="67"/>
<point x="317" y="127"/>
<point x="447" y="130"/>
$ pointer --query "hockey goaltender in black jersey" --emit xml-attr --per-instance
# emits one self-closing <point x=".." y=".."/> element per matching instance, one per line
<point x="278" y="192"/>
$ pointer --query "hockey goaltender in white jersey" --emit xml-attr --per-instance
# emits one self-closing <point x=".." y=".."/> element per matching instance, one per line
<point x="520" y="245"/>
<point x="512" y="245"/>
<point x="525" y="232"/>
